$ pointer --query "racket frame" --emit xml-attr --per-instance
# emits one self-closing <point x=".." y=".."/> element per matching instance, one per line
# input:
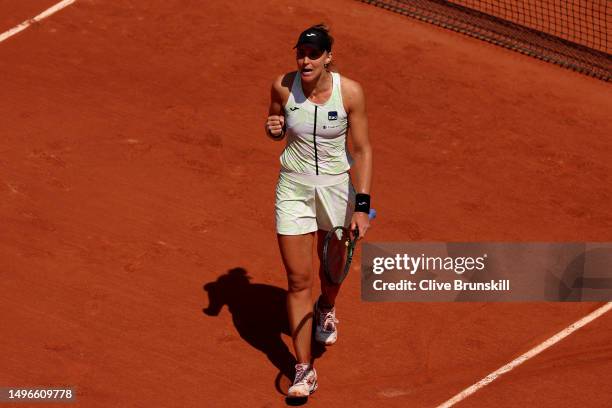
<point x="351" y="243"/>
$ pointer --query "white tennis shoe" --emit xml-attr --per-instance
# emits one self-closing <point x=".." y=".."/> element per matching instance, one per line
<point x="326" y="331"/>
<point x="305" y="382"/>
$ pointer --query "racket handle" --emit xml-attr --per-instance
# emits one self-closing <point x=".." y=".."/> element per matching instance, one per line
<point x="371" y="216"/>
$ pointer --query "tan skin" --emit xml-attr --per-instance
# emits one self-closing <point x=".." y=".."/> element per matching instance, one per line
<point x="296" y="250"/>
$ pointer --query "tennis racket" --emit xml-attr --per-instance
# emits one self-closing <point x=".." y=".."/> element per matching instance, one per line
<point x="338" y="249"/>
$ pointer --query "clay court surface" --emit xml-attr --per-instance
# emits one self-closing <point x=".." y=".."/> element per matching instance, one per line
<point x="138" y="256"/>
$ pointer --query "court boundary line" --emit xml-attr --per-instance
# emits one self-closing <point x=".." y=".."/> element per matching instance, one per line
<point x="526" y="356"/>
<point x="20" y="27"/>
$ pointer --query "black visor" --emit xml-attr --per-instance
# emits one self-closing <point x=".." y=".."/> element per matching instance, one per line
<point x="315" y="38"/>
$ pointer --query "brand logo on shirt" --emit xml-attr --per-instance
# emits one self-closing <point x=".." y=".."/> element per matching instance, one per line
<point x="294" y="109"/>
<point x="333" y="115"/>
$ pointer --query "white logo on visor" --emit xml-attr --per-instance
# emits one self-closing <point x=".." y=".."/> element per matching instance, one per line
<point x="310" y="35"/>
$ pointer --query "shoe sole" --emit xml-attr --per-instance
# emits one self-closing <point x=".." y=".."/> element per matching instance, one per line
<point x="324" y="343"/>
<point x="314" y="388"/>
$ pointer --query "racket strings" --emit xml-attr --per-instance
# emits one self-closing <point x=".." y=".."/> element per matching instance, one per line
<point x="338" y="251"/>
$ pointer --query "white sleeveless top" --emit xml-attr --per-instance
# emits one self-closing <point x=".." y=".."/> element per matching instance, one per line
<point x="316" y="133"/>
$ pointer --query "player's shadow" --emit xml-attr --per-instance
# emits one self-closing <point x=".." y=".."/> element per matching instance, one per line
<point x="259" y="314"/>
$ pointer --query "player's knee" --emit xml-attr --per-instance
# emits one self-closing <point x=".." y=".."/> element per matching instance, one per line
<point x="299" y="283"/>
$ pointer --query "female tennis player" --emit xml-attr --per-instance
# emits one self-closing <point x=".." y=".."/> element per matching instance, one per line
<point x="314" y="108"/>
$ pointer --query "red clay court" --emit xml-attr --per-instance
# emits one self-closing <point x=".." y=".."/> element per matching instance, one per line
<point x="139" y="262"/>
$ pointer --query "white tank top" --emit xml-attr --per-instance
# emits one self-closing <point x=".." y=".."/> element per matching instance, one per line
<point x="316" y="133"/>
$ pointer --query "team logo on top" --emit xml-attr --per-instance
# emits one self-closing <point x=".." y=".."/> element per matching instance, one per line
<point x="333" y="115"/>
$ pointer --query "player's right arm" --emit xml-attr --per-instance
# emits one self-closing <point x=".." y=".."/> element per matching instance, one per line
<point x="275" y="124"/>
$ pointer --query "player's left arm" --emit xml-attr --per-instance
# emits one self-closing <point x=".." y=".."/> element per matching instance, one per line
<point x="361" y="151"/>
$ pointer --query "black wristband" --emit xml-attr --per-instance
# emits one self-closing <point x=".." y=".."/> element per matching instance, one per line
<point x="362" y="203"/>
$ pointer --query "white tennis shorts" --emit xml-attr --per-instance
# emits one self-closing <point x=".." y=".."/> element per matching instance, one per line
<point x="307" y="203"/>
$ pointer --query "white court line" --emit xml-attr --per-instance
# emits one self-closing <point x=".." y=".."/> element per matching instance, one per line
<point x="41" y="16"/>
<point x="533" y="352"/>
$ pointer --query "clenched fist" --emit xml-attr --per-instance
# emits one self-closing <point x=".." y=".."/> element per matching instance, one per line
<point x="275" y="126"/>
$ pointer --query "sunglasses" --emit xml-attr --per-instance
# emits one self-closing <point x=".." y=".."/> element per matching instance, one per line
<point x="311" y="53"/>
